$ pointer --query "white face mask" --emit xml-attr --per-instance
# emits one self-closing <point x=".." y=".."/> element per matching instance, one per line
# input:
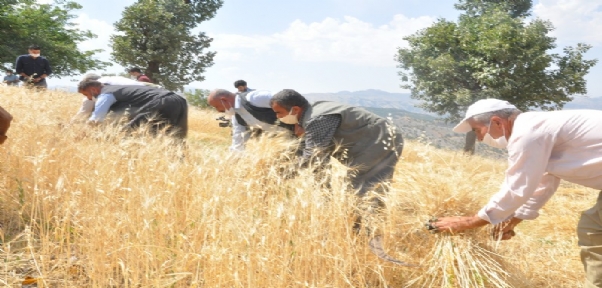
<point x="289" y="119"/>
<point x="35" y="55"/>
<point x="500" y="143"/>
<point x="230" y="111"/>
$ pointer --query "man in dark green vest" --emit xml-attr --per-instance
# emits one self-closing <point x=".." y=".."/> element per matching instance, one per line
<point x="369" y="144"/>
<point x="156" y="106"/>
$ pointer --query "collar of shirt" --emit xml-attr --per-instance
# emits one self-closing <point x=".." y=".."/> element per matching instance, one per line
<point x="305" y="108"/>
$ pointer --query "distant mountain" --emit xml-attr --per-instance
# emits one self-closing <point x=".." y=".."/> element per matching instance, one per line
<point x="370" y="98"/>
<point x="583" y="102"/>
<point x="418" y="125"/>
<point x="382" y="99"/>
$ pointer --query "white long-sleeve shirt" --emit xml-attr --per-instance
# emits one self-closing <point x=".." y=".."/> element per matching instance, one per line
<point x="88" y="105"/>
<point x="240" y="135"/>
<point x="544" y="148"/>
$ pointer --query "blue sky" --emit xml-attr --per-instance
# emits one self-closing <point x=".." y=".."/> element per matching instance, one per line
<point x="331" y="45"/>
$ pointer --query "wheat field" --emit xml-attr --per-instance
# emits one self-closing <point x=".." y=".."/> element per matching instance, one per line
<point x="88" y="207"/>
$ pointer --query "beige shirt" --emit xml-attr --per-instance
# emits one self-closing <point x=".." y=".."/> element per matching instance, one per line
<point x="544" y="148"/>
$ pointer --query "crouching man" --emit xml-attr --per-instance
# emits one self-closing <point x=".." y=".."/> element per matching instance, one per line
<point x="250" y="112"/>
<point x="369" y="144"/>
<point x="543" y="148"/>
<point x="159" y="107"/>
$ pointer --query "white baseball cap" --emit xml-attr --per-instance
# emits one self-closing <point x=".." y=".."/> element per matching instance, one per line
<point x="480" y="107"/>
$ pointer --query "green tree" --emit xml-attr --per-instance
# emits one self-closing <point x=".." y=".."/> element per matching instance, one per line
<point x="49" y="26"/>
<point x="491" y="52"/>
<point x="156" y="36"/>
<point x="197" y="98"/>
<point x="514" y="8"/>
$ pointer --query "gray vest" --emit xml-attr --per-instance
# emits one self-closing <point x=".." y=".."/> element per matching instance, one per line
<point x="265" y="115"/>
<point x="133" y="97"/>
<point x="361" y="134"/>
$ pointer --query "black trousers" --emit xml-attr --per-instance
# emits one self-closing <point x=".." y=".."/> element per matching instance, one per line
<point x="169" y="112"/>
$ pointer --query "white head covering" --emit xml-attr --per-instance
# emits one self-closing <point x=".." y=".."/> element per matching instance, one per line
<point x="480" y="107"/>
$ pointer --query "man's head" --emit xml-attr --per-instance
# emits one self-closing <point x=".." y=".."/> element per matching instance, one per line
<point x="288" y="105"/>
<point x="241" y="85"/>
<point x="90" y="88"/>
<point x="34" y="51"/>
<point x="135" y="71"/>
<point x="9" y="72"/>
<point x="91" y="76"/>
<point x="491" y="117"/>
<point x="222" y="100"/>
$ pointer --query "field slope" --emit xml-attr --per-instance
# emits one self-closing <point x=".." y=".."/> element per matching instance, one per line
<point x="85" y="206"/>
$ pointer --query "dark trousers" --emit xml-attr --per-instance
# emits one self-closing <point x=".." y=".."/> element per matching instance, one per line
<point x="169" y="112"/>
<point x="40" y="85"/>
<point x="589" y="234"/>
<point x="371" y="179"/>
<point x="367" y="179"/>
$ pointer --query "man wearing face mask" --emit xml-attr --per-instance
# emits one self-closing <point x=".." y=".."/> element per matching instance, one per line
<point x="249" y="112"/>
<point x="369" y="144"/>
<point x="158" y="107"/>
<point x="33" y="68"/>
<point x="543" y="148"/>
<point x="10" y="79"/>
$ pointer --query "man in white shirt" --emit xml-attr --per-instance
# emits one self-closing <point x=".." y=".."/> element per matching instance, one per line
<point x="164" y="111"/>
<point x="248" y="110"/>
<point x="543" y="148"/>
<point x="88" y="104"/>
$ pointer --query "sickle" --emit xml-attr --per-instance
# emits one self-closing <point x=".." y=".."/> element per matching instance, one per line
<point x="376" y="246"/>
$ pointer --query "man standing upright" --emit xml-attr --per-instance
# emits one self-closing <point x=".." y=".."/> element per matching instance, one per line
<point x="241" y="86"/>
<point x="33" y="68"/>
<point x="136" y="72"/>
<point x="11" y="79"/>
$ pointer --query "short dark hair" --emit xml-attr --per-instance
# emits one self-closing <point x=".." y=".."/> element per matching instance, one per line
<point x="240" y="83"/>
<point x="288" y="98"/>
<point x="84" y="84"/>
<point x="135" y="69"/>
<point x="8" y="70"/>
<point x="34" y="47"/>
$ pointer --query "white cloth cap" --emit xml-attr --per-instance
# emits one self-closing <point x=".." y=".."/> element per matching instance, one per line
<point x="480" y="107"/>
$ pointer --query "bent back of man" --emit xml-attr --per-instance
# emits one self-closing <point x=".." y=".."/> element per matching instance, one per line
<point x="158" y="107"/>
<point x="145" y="103"/>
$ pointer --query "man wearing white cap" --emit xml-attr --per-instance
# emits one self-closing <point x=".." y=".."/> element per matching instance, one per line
<point x="543" y="148"/>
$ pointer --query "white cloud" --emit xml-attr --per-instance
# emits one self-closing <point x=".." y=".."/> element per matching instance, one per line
<point x="101" y="29"/>
<point x="332" y="40"/>
<point x="574" y="20"/>
<point x="227" y="41"/>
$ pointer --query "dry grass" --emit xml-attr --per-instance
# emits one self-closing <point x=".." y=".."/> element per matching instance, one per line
<point x="86" y="207"/>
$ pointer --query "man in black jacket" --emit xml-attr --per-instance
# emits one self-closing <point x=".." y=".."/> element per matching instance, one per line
<point x="159" y="107"/>
<point x="33" y="68"/>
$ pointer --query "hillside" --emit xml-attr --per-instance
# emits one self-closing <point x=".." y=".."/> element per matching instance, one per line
<point x="86" y="206"/>
<point x="421" y="126"/>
